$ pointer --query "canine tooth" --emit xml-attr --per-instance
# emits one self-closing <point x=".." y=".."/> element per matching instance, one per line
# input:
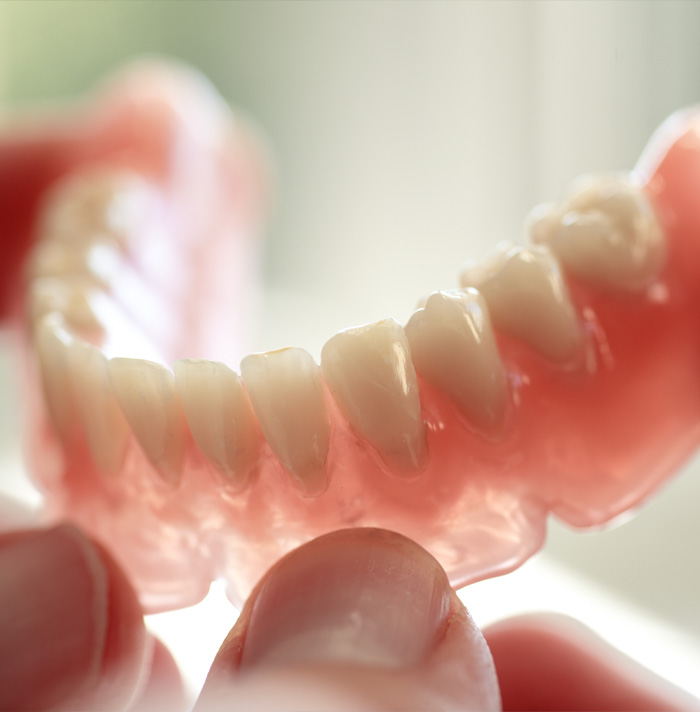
<point x="370" y="374"/>
<point x="220" y="416"/>
<point x="287" y="394"/>
<point x="148" y="398"/>
<point x="605" y="231"/>
<point x="94" y="204"/>
<point x="103" y="421"/>
<point x="454" y="348"/>
<point x="51" y="343"/>
<point x="527" y="298"/>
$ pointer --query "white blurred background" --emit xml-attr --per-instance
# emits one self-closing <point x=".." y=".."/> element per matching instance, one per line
<point x="409" y="137"/>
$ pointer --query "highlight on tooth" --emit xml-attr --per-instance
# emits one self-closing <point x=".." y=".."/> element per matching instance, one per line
<point x="95" y="203"/>
<point x="286" y="390"/>
<point x="105" y="427"/>
<point x="605" y="231"/>
<point x="220" y="417"/>
<point x="454" y="348"/>
<point x="371" y="376"/>
<point x="148" y="398"/>
<point x="51" y="343"/>
<point x="528" y="299"/>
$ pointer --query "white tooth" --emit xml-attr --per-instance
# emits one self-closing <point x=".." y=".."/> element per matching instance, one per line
<point x="527" y="298"/>
<point x="287" y="394"/>
<point x="94" y="204"/>
<point x="96" y="262"/>
<point x="148" y="398"/>
<point x="369" y="372"/>
<point x="220" y="417"/>
<point x="70" y="297"/>
<point x="607" y="232"/>
<point x="454" y="348"/>
<point x="51" y="344"/>
<point x="105" y="427"/>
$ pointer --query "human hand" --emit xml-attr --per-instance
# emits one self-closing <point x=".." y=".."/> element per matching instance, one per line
<point x="358" y="619"/>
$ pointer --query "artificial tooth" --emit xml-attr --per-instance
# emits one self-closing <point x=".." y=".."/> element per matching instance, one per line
<point x="95" y="204"/>
<point x="454" y="348"/>
<point x="105" y="427"/>
<point x="605" y="231"/>
<point x="70" y="297"/>
<point x="96" y="262"/>
<point x="220" y="416"/>
<point x="148" y="398"/>
<point x="370" y="374"/>
<point x="286" y="391"/>
<point x="527" y="298"/>
<point x="51" y="344"/>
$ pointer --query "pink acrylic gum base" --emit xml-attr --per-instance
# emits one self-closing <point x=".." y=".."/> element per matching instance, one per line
<point x="586" y="445"/>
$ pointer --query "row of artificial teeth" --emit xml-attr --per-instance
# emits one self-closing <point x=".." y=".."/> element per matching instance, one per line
<point x="369" y="371"/>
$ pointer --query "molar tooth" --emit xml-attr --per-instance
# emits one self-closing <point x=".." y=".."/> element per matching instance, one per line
<point x="148" y="398"/>
<point x="605" y="231"/>
<point x="287" y="394"/>
<point x="454" y="348"/>
<point x="370" y="373"/>
<point x="95" y="203"/>
<point x="70" y="297"/>
<point x="527" y="298"/>
<point x="105" y="427"/>
<point x="51" y="344"/>
<point x="220" y="416"/>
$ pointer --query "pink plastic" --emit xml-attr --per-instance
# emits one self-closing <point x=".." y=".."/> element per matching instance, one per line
<point x="586" y="444"/>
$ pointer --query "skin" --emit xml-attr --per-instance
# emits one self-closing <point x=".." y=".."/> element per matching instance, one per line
<point x="291" y="647"/>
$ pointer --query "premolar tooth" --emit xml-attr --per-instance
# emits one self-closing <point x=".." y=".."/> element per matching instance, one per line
<point x="148" y="398"/>
<point x="105" y="427"/>
<point x="220" y="416"/>
<point x="93" y="204"/>
<point x="286" y="391"/>
<point x="51" y="344"/>
<point x="605" y="231"/>
<point x="453" y="348"/>
<point x="527" y="298"/>
<point x="370" y="373"/>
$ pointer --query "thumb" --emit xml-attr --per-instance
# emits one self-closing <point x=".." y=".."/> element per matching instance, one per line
<point x="358" y="619"/>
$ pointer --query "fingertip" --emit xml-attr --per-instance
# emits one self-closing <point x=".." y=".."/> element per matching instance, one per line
<point x="370" y="616"/>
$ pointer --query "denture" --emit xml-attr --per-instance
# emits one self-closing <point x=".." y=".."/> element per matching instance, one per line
<point x="559" y="378"/>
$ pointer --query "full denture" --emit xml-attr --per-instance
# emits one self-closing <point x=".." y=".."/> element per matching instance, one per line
<point x="580" y="395"/>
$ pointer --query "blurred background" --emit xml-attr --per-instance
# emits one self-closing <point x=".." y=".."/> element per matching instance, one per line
<point x="407" y="138"/>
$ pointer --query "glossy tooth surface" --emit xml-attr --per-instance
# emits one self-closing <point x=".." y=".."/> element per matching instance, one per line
<point x="605" y="231"/>
<point x="105" y="427"/>
<point x="370" y="374"/>
<point x="95" y="204"/>
<point x="148" y="398"/>
<point x="220" y="417"/>
<point x="527" y="298"/>
<point x="51" y="344"/>
<point x="286" y="391"/>
<point x="96" y="262"/>
<point x="454" y="348"/>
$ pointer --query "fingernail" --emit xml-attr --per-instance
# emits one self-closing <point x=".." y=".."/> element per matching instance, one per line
<point x="361" y="597"/>
<point x="53" y="617"/>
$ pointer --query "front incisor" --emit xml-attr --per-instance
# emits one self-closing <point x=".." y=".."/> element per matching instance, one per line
<point x="528" y="299"/>
<point x="287" y="394"/>
<point x="220" y="417"/>
<point x="147" y="396"/>
<point x="370" y="374"/>
<point x="454" y="349"/>
<point x="605" y="231"/>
